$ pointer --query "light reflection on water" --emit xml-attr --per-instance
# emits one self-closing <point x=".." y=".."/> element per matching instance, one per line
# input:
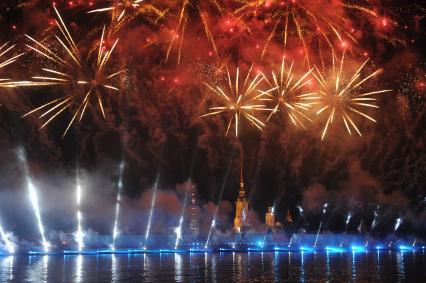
<point x="302" y="266"/>
<point x="7" y="267"/>
<point x="328" y="264"/>
<point x="216" y="267"/>
<point x="178" y="268"/>
<point x="276" y="264"/>
<point x="78" y="269"/>
<point x="400" y="264"/>
<point x="114" y="268"/>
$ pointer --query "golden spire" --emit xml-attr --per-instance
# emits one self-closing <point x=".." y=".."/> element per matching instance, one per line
<point x="242" y="192"/>
<point x="241" y="171"/>
<point x="241" y="205"/>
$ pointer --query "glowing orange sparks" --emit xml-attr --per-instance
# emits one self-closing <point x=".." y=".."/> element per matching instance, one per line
<point x="342" y="96"/>
<point x="5" y="50"/>
<point x="125" y="10"/>
<point x="287" y="94"/>
<point x="182" y="15"/>
<point x="239" y="100"/>
<point x="304" y="22"/>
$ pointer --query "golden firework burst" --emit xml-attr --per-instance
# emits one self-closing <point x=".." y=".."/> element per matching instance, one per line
<point x="341" y="95"/>
<point x="240" y="99"/>
<point x="287" y="93"/>
<point x="85" y="81"/>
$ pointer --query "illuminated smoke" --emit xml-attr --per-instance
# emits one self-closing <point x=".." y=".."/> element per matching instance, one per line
<point x="10" y="246"/>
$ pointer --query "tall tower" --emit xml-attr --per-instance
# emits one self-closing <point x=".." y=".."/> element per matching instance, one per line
<point x="241" y="205"/>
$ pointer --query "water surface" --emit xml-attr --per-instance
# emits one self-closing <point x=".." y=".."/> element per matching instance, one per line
<point x="384" y="266"/>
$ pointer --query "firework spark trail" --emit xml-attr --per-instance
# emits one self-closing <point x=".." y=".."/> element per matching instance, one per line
<point x="5" y="50"/>
<point x="305" y="22"/>
<point x="123" y="6"/>
<point x="151" y="212"/>
<point x="115" y="231"/>
<point x="182" y="15"/>
<point x="79" y="236"/>
<point x="124" y="11"/>
<point x="341" y="95"/>
<point x="33" y="198"/>
<point x="287" y="94"/>
<point x="9" y="244"/>
<point x="69" y="70"/>
<point x="239" y="101"/>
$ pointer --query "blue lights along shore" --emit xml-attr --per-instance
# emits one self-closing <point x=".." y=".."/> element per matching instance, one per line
<point x="256" y="248"/>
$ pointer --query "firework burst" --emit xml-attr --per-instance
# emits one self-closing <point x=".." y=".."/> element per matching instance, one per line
<point x="287" y="95"/>
<point x="87" y="81"/>
<point x="304" y="20"/>
<point x="240" y="99"/>
<point x="342" y="96"/>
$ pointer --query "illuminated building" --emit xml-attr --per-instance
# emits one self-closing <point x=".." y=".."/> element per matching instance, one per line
<point x="241" y="207"/>
<point x="270" y="217"/>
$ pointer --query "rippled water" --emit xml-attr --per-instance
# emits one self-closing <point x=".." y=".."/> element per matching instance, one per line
<point x="385" y="266"/>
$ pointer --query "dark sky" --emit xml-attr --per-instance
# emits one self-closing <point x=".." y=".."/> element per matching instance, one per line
<point x="154" y="123"/>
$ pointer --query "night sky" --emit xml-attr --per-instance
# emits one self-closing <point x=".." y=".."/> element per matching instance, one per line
<point x="153" y="123"/>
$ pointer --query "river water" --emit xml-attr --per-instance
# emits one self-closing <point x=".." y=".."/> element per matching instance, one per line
<point x="372" y="266"/>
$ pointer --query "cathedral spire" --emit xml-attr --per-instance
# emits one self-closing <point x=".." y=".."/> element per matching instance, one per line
<point x="241" y="171"/>
<point x="242" y="204"/>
